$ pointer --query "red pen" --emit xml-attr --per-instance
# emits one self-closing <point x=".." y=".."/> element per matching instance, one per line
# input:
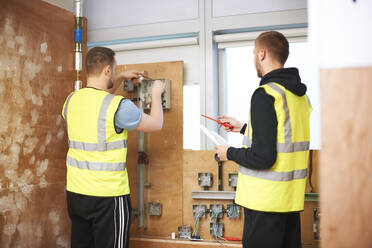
<point x="225" y="124"/>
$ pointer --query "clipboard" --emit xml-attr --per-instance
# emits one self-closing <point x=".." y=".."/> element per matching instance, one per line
<point x="217" y="139"/>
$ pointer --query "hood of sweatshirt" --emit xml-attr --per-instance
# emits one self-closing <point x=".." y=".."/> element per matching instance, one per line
<point x="288" y="78"/>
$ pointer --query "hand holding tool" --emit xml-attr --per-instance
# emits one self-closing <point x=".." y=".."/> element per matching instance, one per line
<point x="225" y="124"/>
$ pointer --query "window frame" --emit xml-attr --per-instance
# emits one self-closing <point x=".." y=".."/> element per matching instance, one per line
<point x="239" y="40"/>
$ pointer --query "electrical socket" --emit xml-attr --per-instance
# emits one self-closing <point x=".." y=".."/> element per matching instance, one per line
<point x="219" y="231"/>
<point x="196" y="209"/>
<point x="155" y="208"/>
<point x="218" y="209"/>
<point x="205" y="179"/>
<point x="233" y="179"/>
<point x="233" y="215"/>
<point x="184" y="232"/>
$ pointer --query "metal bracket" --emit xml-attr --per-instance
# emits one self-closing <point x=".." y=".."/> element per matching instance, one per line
<point x="143" y="158"/>
<point x="213" y="195"/>
<point x="155" y="208"/>
<point x="197" y="209"/>
<point x="184" y="232"/>
<point x="217" y="209"/>
<point x="233" y="211"/>
<point x="144" y="87"/>
<point x="205" y="180"/>
<point x="233" y="180"/>
<point x="216" y="228"/>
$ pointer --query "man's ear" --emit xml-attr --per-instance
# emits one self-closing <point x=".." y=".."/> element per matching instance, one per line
<point x="107" y="70"/>
<point x="262" y="54"/>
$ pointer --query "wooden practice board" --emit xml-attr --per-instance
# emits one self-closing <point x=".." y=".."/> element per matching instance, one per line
<point x="165" y="153"/>
<point x="203" y="161"/>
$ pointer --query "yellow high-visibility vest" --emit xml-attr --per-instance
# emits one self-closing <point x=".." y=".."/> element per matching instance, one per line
<point x="282" y="187"/>
<point x="96" y="159"/>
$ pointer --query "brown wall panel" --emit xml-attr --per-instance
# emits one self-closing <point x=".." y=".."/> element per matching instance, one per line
<point x="36" y="75"/>
<point x="346" y="158"/>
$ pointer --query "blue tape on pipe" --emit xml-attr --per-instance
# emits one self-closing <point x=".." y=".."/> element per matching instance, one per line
<point x="78" y="35"/>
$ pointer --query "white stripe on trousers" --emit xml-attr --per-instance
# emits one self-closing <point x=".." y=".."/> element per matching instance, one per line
<point x="127" y="222"/>
<point x="115" y="223"/>
<point x="121" y="223"/>
<point x="121" y="234"/>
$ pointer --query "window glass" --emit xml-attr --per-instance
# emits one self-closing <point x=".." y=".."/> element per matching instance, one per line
<point x="191" y="117"/>
<point x="242" y="80"/>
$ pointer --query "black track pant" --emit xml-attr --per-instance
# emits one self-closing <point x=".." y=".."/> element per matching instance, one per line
<point x="99" y="222"/>
<point x="271" y="230"/>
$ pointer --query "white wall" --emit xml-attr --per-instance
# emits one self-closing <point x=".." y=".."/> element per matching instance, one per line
<point x="127" y="19"/>
<point x="65" y="4"/>
<point x="348" y="43"/>
<point x="239" y="7"/>
<point x="188" y="54"/>
<point x="139" y="12"/>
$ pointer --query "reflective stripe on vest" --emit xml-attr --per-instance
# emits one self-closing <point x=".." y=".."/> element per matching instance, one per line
<point x="274" y="175"/>
<point x="95" y="166"/>
<point x="288" y="146"/>
<point x="280" y="188"/>
<point x="101" y="146"/>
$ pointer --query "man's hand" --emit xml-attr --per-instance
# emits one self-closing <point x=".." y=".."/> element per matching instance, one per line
<point x="154" y="121"/>
<point x="125" y="75"/>
<point x="157" y="88"/>
<point x="131" y="74"/>
<point x="237" y="126"/>
<point x="221" y="152"/>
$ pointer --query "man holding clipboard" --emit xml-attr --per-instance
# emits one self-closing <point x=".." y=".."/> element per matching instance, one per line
<point x="274" y="157"/>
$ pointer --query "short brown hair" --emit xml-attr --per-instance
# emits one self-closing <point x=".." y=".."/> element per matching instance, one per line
<point x="97" y="58"/>
<point x="275" y="43"/>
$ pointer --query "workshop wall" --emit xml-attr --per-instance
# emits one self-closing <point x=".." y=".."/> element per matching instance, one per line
<point x="131" y="21"/>
<point x="36" y="75"/>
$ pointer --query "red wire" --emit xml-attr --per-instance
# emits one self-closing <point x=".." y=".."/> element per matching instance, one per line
<point x="232" y="239"/>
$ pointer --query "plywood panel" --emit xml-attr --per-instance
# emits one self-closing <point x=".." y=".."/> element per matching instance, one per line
<point x="315" y="173"/>
<point x="164" y="149"/>
<point x="346" y="158"/>
<point x="168" y="243"/>
<point x="307" y="225"/>
<point x="307" y="215"/>
<point x="203" y="161"/>
<point x="36" y="75"/>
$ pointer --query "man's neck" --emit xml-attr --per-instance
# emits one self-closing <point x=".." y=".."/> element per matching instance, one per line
<point x="271" y="68"/>
<point x="96" y="83"/>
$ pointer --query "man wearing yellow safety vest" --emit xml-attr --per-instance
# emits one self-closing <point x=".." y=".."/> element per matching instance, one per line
<point x="97" y="125"/>
<point x="274" y="157"/>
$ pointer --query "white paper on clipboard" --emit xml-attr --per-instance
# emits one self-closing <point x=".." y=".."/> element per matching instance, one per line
<point x="214" y="137"/>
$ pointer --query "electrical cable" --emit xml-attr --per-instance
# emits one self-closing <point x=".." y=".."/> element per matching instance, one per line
<point x="233" y="211"/>
<point x="197" y="219"/>
<point x="213" y="220"/>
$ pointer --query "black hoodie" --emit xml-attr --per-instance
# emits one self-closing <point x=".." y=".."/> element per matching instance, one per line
<point x="262" y="154"/>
